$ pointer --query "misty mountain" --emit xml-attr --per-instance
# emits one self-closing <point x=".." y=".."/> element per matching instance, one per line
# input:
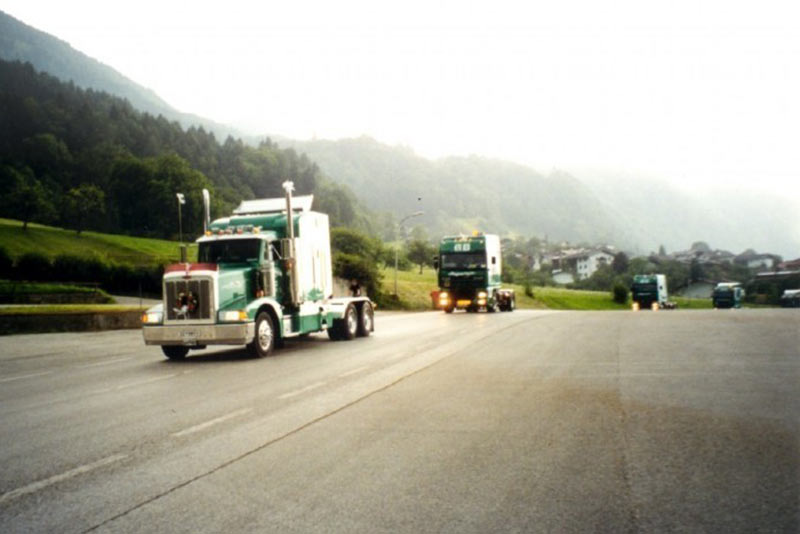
<point x="20" y="42"/>
<point x="462" y="194"/>
<point x="635" y="213"/>
<point x="652" y="212"/>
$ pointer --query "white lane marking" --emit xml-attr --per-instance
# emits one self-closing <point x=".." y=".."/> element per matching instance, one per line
<point x="106" y="362"/>
<point x="140" y="382"/>
<point x="21" y="377"/>
<point x="203" y="426"/>
<point x="41" y="484"/>
<point x="303" y="390"/>
<point x="354" y="371"/>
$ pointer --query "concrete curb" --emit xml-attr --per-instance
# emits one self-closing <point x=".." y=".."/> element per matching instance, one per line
<point x="69" y="322"/>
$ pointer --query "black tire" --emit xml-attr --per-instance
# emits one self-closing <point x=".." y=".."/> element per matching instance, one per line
<point x="264" y="340"/>
<point x="449" y="309"/>
<point x="366" y="320"/>
<point x="175" y="352"/>
<point x="349" y="323"/>
<point x="512" y="304"/>
<point x="333" y="332"/>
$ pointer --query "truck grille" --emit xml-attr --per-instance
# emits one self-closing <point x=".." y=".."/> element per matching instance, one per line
<point x="187" y="299"/>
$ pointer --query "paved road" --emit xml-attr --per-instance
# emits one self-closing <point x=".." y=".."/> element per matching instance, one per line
<point x="522" y="422"/>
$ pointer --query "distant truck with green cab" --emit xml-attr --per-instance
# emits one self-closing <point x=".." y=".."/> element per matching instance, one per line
<point x="469" y="271"/>
<point x="727" y="295"/>
<point x="649" y="292"/>
<point x="263" y="275"/>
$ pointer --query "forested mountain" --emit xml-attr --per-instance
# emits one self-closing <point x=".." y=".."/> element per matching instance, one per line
<point x="20" y="42"/>
<point x="459" y="194"/>
<point x="85" y="159"/>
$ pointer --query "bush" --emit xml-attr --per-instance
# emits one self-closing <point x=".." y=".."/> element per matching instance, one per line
<point x="33" y="266"/>
<point x="6" y="264"/>
<point x="68" y="268"/>
<point x="351" y="267"/>
<point x="620" y="293"/>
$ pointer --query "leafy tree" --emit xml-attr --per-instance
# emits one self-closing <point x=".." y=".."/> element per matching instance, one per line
<point x="27" y="198"/>
<point x="620" y="263"/>
<point x="349" y="241"/>
<point x="84" y="203"/>
<point x="421" y="252"/>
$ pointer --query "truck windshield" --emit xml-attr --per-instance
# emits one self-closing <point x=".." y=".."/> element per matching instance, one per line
<point x="229" y="251"/>
<point x="644" y="288"/>
<point x="464" y="260"/>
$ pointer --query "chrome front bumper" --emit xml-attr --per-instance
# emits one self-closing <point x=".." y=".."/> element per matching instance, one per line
<point x="201" y="334"/>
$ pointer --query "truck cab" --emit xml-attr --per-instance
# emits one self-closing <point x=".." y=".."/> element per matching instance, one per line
<point x="649" y="292"/>
<point x="469" y="274"/>
<point x="263" y="275"/>
<point x="727" y="295"/>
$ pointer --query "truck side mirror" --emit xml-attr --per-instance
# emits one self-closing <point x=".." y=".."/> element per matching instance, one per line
<point x="436" y="262"/>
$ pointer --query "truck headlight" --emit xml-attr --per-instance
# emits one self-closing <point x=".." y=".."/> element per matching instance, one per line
<point x="152" y="318"/>
<point x="233" y="316"/>
<point x="444" y="298"/>
<point x="482" y="294"/>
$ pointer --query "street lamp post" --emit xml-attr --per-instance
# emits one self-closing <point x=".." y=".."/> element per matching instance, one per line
<point x="397" y="246"/>
<point x="181" y="201"/>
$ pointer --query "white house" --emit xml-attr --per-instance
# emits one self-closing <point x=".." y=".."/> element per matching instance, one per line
<point x="588" y="262"/>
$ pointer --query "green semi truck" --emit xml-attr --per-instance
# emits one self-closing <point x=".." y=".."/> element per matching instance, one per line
<point x="263" y="275"/>
<point x="649" y="292"/>
<point x="469" y="274"/>
<point x="727" y="295"/>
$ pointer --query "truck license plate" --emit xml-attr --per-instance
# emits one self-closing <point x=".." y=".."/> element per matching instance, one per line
<point x="189" y="337"/>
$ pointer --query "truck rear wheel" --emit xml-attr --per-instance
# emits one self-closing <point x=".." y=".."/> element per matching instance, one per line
<point x="345" y="328"/>
<point x="366" y="317"/>
<point x="264" y="340"/>
<point x="175" y="352"/>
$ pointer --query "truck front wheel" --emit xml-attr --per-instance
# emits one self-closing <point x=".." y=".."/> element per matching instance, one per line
<point x="175" y="352"/>
<point x="264" y="341"/>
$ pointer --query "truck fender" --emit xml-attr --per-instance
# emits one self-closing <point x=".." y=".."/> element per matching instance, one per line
<point x="272" y="307"/>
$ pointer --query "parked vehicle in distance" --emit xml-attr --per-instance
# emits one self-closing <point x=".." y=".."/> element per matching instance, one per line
<point x="790" y="298"/>
<point x="263" y="275"/>
<point x="469" y="274"/>
<point x="727" y="295"/>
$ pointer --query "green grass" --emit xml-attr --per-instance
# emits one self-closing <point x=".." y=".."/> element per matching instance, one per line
<point x="35" y="288"/>
<point x="53" y="241"/>
<point x="414" y="290"/>
<point x="66" y="309"/>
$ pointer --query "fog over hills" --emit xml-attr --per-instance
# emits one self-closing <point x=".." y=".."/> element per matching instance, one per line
<point x="459" y="194"/>
<point x="636" y="213"/>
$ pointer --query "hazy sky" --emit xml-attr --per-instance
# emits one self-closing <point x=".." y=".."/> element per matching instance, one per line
<point x="696" y="92"/>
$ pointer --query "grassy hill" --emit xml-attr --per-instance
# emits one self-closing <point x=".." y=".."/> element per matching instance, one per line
<point x="53" y="241"/>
